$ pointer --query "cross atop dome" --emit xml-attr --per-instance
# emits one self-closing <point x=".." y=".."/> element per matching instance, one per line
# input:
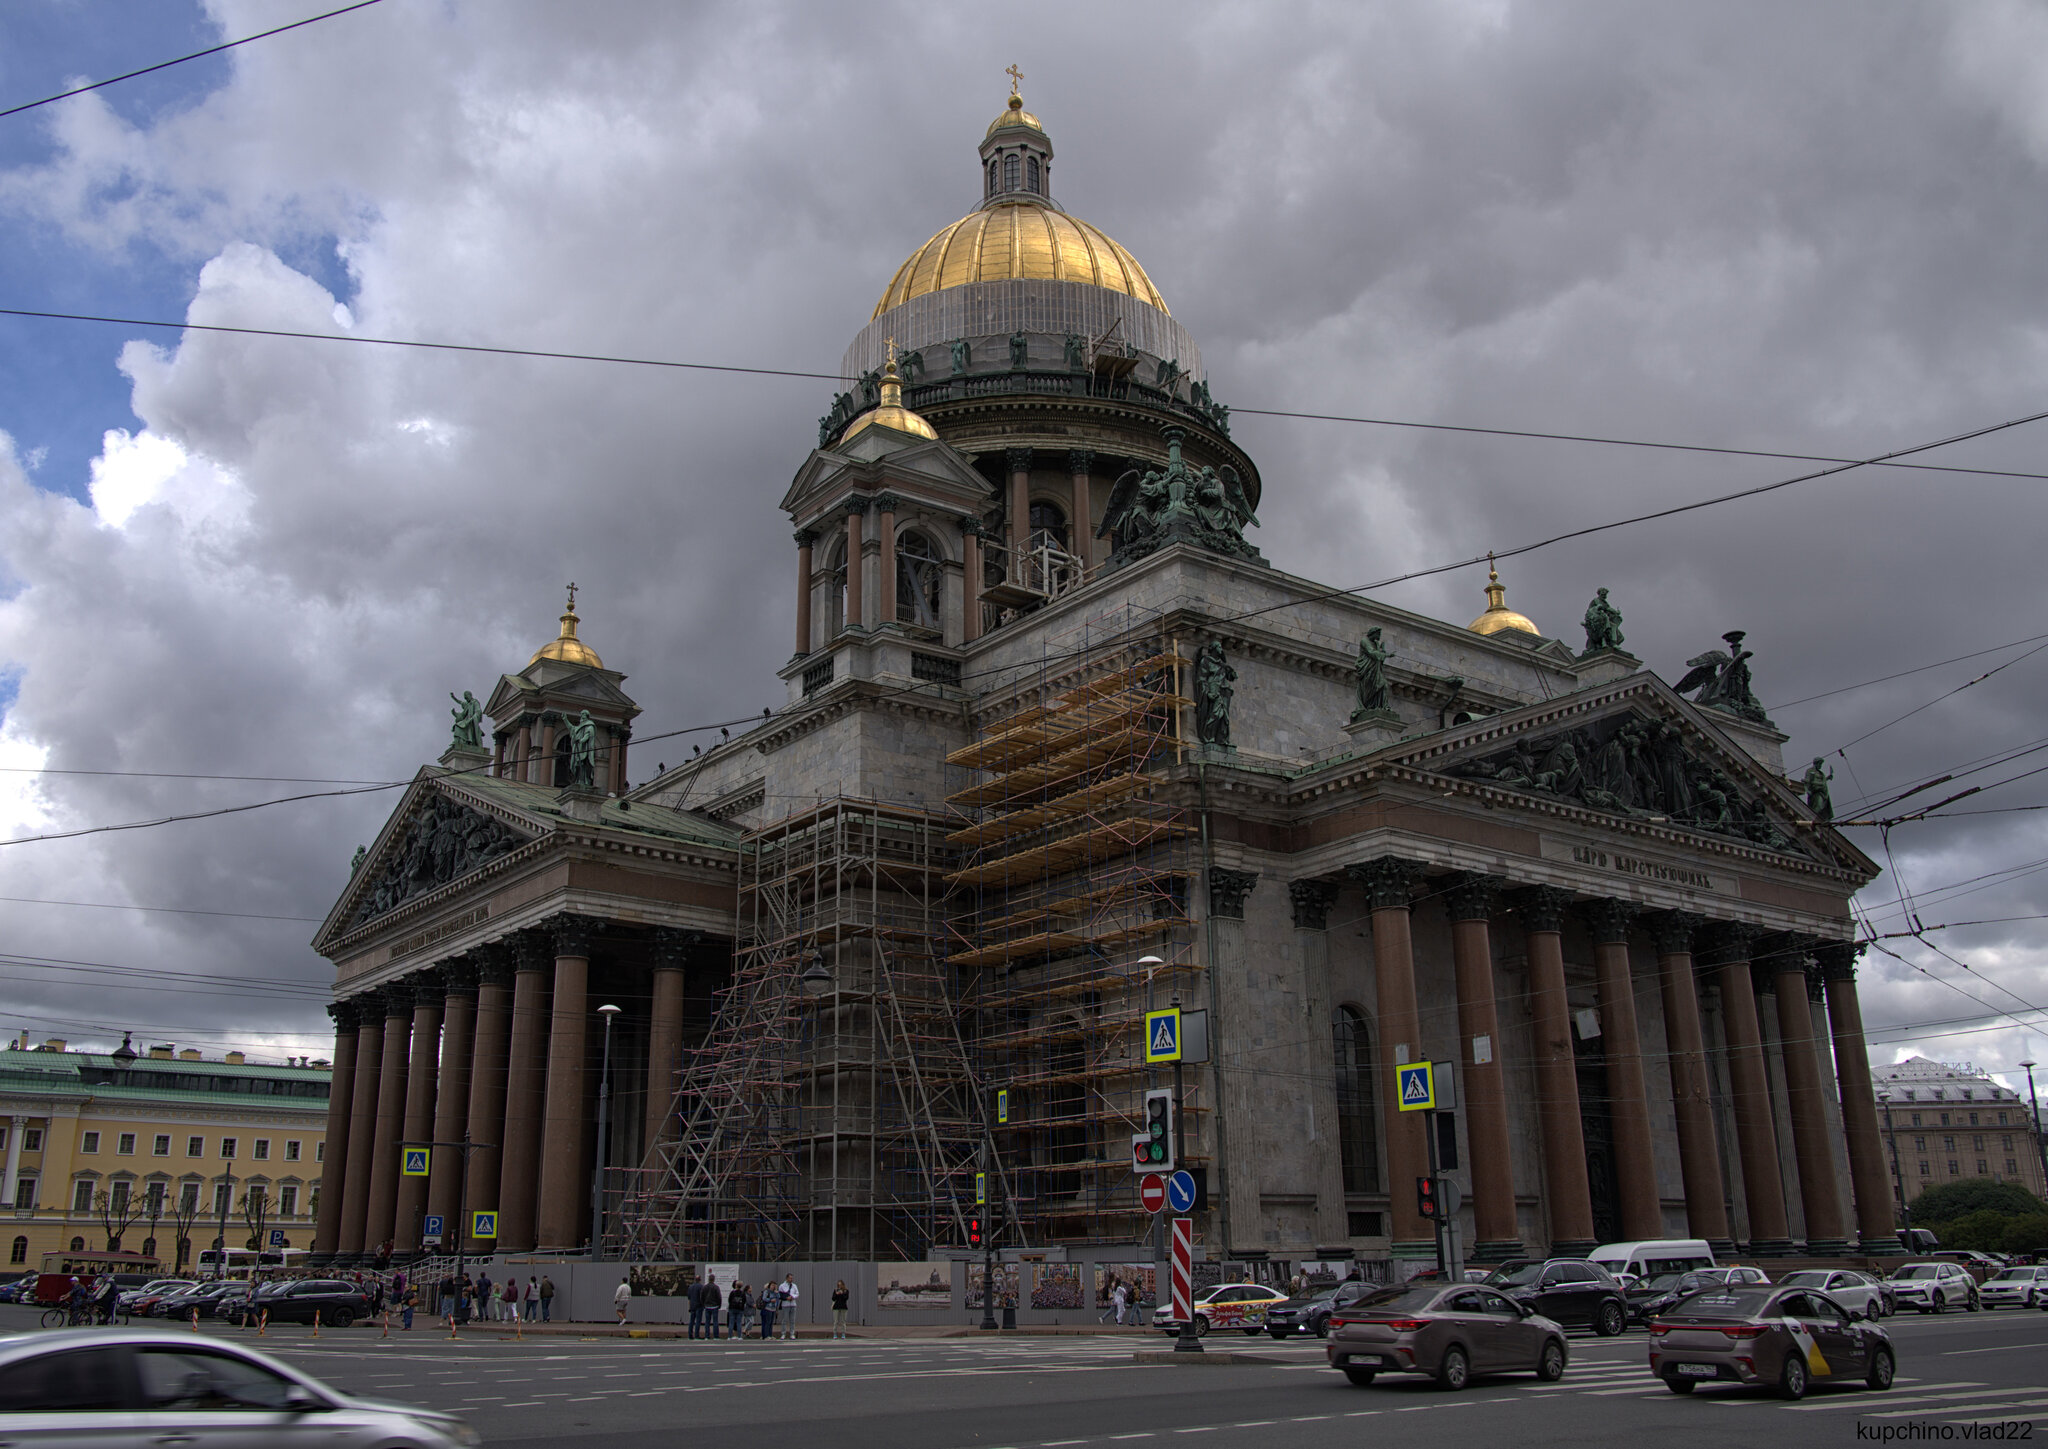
<point x="1016" y="79"/>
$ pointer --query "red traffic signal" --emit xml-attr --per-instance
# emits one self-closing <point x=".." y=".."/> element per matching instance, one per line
<point x="1425" y="1197"/>
<point x="974" y="1232"/>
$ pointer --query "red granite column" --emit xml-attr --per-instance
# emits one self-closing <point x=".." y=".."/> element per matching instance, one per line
<point x="1749" y="1094"/>
<point x="1080" y="463"/>
<point x="421" y="1078"/>
<point x="1496" y="1235"/>
<point x="564" y="1189"/>
<point x="1386" y="883"/>
<point x="665" y="1032"/>
<point x="1812" y="1148"/>
<point x="1569" y="1195"/>
<point x="1699" y="1156"/>
<point x="340" y="1094"/>
<point x="1019" y="509"/>
<point x="1876" y="1219"/>
<point x="362" y="1125"/>
<point x="970" y="581"/>
<point x="1628" y="1100"/>
<point x="451" y="1094"/>
<point x="487" y="1081"/>
<point x="856" y="568"/>
<point x="804" y="539"/>
<point x="525" y="1083"/>
<point x="383" y="1205"/>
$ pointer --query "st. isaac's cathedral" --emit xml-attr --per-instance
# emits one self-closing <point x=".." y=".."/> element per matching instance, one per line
<point x="1060" y="747"/>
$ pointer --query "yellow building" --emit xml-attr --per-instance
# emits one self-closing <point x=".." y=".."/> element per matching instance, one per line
<point x="153" y="1151"/>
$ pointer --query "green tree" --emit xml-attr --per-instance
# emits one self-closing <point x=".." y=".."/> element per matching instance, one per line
<point x="1983" y="1230"/>
<point x="2026" y="1235"/>
<point x="1952" y="1200"/>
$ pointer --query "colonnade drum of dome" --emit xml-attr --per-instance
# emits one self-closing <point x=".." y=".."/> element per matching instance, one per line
<point x="990" y="946"/>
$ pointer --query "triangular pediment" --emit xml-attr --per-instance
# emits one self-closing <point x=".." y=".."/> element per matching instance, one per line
<point x="594" y="689"/>
<point x="1633" y="748"/>
<point x="927" y="468"/>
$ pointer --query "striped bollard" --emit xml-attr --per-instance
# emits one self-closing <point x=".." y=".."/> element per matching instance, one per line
<point x="316" y="1323"/>
<point x="195" y="1320"/>
<point x="263" y="1325"/>
<point x="387" y="1323"/>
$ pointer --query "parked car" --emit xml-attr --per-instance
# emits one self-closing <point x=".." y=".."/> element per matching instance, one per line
<point x="1771" y="1335"/>
<point x="2021" y="1287"/>
<point x="1981" y="1265"/>
<point x="1646" y="1305"/>
<point x="1647" y="1258"/>
<point x="1227" y="1305"/>
<point x="1310" y="1313"/>
<point x="157" y="1386"/>
<point x="202" y="1296"/>
<point x="339" y="1304"/>
<point x="20" y="1290"/>
<point x="1450" y="1331"/>
<point x="1934" y="1287"/>
<point x="1566" y="1290"/>
<point x="1863" y="1298"/>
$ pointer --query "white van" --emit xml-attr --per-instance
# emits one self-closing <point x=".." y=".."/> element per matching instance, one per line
<point x="1653" y="1256"/>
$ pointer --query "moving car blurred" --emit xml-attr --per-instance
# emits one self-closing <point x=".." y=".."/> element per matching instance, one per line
<point x="1310" y="1313"/>
<point x="1449" y="1331"/>
<point x="137" y="1300"/>
<point x="2021" y="1287"/>
<point x="339" y="1304"/>
<point x="1787" y="1337"/>
<point x="156" y="1386"/>
<point x="1934" y="1287"/>
<point x="1566" y="1290"/>
<point x="1227" y="1305"/>
<point x="201" y="1296"/>
<point x="1858" y="1294"/>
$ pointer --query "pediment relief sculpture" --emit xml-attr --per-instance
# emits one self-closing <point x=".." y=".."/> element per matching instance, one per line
<point x="439" y="842"/>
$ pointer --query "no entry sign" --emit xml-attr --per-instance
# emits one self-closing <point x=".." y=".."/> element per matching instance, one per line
<point x="1152" y="1192"/>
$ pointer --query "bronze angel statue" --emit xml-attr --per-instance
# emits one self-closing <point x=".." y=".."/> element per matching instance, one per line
<point x="1723" y="680"/>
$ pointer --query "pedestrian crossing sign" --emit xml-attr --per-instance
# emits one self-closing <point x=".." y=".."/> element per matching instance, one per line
<point x="413" y="1161"/>
<point x="1003" y="1106"/>
<point x="1162" y="1035"/>
<point x="483" y="1225"/>
<point x="1415" y="1086"/>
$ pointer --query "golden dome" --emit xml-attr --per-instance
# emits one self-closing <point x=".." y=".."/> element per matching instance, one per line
<point x="1498" y="615"/>
<point x="890" y="413"/>
<point x="1020" y="238"/>
<point x="1014" y="115"/>
<point x="566" y="647"/>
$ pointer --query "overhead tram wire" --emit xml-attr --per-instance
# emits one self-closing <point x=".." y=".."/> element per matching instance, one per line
<point x="180" y="60"/>
<point x="157" y="910"/>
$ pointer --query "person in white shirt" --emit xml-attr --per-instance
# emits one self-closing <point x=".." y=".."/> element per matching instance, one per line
<point x="789" y="1297"/>
<point x="622" y="1298"/>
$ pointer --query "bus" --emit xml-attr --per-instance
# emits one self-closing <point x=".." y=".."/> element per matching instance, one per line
<point x="53" y="1285"/>
<point x="247" y="1262"/>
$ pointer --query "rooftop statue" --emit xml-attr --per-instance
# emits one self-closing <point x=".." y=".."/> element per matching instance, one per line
<point x="1215" y="687"/>
<point x="963" y="356"/>
<point x="582" y="752"/>
<point x="1723" y="681"/>
<point x="468" y="732"/>
<point x="1020" y="351"/>
<point x="1177" y="504"/>
<point x="1819" y="789"/>
<point x="1603" y="624"/>
<point x="1373" y="695"/>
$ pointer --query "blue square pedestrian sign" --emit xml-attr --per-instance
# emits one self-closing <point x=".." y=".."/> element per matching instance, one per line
<point x="413" y="1161"/>
<point x="1415" y="1086"/>
<point x="1162" y="1035"/>
<point x="483" y="1225"/>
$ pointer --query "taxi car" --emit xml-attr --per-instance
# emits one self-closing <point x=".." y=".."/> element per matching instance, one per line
<point x="1774" y="1336"/>
<point x="1227" y="1305"/>
<point x="1860" y="1295"/>
<point x="1934" y="1287"/>
<point x="2021" y="1287"/>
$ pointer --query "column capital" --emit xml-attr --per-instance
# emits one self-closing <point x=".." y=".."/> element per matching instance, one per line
<point x="533" y="950"/>
<point x="1018" y="460"/>
<point x="495" y="962"/>
<point x="1542" y="908"/>
<point x="396" y="999"/>
<point x="1080" y="460"/>
<point x="346" y="1013"/>
<point x="1674" y="931"/>
<point x="573" y="933"/>
<point x="459" y="974"/>
<point x="887" y="503"/>
<point x="1838" y="959"/>
<point x="970" y="527"/>
<point x="1227" y="891"/>
<point x="1472" y="896"/>
<point x="1782" y="952"/>
<point x="1729" y="942"/>
<point x="429" y="986"/>
<point x="805" y="537"/>
<point x="671" y="945"/>
<point x="1386" y="881"/>
<point x="1608" y="919"/>
<point x="854" y="508"/>
<point x="1312" y="900"/>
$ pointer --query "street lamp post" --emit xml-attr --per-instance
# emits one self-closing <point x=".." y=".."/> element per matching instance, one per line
<point x="604" y="1101"/>
<point x="220" y="1247"/>
<point x="1898" y="1182"/>
<point x="2034" y="1125"/>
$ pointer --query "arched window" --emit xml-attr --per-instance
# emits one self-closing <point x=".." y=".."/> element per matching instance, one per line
<point x="78" y="1245"/>
<point x="1031" y="170"/>
<point x="920" y="581"/>
<point x="991" y="183"/>
<point x="561" y="759"/>
<point x="149" y="1247"/>
<point x="1048" y="525"/>
<point x="836" y="607"/>
<point x="1010" y="169"/>
<point x="19" y="1253"/>
<point x="1357" y="1134"/>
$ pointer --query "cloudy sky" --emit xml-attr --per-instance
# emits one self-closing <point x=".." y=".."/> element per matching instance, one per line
<point x="1814" y="229"/>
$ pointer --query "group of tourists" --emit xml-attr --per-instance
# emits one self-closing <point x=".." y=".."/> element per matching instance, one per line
<point x="483" y="1299"/>
<point x="740" y="1304"/>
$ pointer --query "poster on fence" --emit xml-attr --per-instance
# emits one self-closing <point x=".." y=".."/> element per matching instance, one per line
<point x="662" y="1280"/>
<point x="1056" y="1285"/>
<point x="1005" y="1284"/>
<point x="1140" y="1283"/>
<point x="914" y="1285"/>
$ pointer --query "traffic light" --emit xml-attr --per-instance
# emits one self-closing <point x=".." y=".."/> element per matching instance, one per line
<point x="974" y="1231"/>
<point x="1425" y="1197"/>
<point x="1152" y="1149"/>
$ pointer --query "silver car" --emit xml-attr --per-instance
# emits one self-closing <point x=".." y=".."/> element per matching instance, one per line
<point x="97" y="1388"/>
<point x="2020" y="1287"/>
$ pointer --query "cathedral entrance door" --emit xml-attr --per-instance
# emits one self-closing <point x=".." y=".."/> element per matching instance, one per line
<point x="1602" y="1182"/>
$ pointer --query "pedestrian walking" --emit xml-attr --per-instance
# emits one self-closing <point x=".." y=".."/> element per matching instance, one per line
<point x="840" y="1298"/>
<point x="790" y="1295"/>
<point x="547" y="1299"/>
<point x="412" y="1299"/>
<point x="622" y="1297"/>
<point x="531" y="1300"/>
<point x="736" y="1310"/>
<point x="1122" y="1298"/>
<point x="768" y="1296"/>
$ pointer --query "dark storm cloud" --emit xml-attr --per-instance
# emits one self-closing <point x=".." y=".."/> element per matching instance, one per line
<point x="1815" y="230"/>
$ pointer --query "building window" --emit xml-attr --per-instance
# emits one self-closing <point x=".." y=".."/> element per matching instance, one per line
<point x="1944" y="1119"/>
<point x="291" y="1149"/>
<point x="149" y="1247"/>
<point x="78" y="1245"/>
<point x="81" y="1196"/>
<point x="90" y="1144"/>
<point x="1919" y="1144"/>
<point x="320" y="1151"/>
<point x="1948" y="1144"/>
<point x="1363" y="1225"/>
<point x="3" y="1134"/>
<point x="1983" y="1168"/>
<point x="2005" y="1142"/>
<point x="124" y="1145"/>
<point x="2012" y="1167"/>
<point x="220" y="1199"/>
<point x="1973" y="1119"/>
<point x="1357" y="1145"/>
<point x="1031" y="173"/>
<point x="1916" y="1119"/>
<point x="227" y="1147"/>
<point x="31" y="1139"/>
<point x="19" y="1253"/>
<point x="161" y="1147"/>
<point x="24" y="1194"/>
<point x="990" y="188"/>
<point x="1978" y="1142"/>
<point x="1953" y="1169"/>
<point x="288" y="1202"/>
<point x="1011" y="168"/>
<point x="920" y="581"/>
<point x="155" y="1198"/>
<point x="120" y="1199"/>
<point x="1923" y="1167"/>
<point x="195" y="1147"/>
<point x="2001" y="1119"/>
<point x="188" y="1197"/>
<point x="262" y="1149"/>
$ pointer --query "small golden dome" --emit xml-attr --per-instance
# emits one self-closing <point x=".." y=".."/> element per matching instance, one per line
<point x="1018" y="238"/>
<point x="1498" y="615"/>
<point x="890" y="412"/>
<point x="567" y="647"/>
<point x="1014" y="115"/>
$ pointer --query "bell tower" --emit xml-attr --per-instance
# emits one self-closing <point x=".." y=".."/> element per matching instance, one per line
<point x="531" y="713"/>
<point x="1016" y="155"/>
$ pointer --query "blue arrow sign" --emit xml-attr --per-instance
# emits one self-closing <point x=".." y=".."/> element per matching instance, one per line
<point x="1180" y="1191"/>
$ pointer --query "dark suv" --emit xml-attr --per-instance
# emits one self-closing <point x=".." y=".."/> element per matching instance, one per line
<point x="339" y="1304"/>
<point x="1310" y="1313"/>
<point x="1570" y="1291"/>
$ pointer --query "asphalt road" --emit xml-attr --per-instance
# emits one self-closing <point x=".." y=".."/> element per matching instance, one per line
<point x="1067" y="1393"/>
